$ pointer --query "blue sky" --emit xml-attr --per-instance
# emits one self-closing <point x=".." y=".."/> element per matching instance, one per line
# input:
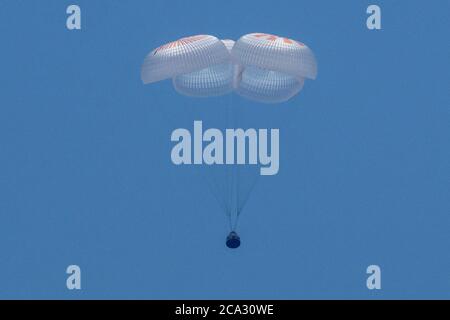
<point x="86" y="176"/>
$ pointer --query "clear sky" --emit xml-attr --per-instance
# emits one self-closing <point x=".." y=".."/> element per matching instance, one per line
<point x="86" y="176"/>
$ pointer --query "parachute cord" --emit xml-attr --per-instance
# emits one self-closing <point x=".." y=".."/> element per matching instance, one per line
<point x="232" y="190"/>
<point x="234" y="115"/>
<point x="236" y="171"/>
<point x="229" y="177"/>
<point x="238" y="176"/>
<point x="232" y="200"/>
<point x="247" y="196"/>
<point x="215" y="192"/>
<point x="237" y="198"/>
<point x="222" y="203"/>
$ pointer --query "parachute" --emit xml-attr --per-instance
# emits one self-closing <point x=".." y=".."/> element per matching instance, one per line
<point x="215" y="80"/>
<point x="274" y="68"/>
<point x="275" y="53"/>
<point x="259" y="66"/>
<point x="183" y="56"/>
<point x="268" y="86"/>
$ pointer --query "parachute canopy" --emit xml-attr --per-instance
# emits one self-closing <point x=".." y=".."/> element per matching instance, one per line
<point x="275" y="53"/>
<point x="183" y="56"/>
<point x="259" y="66"/>
<point x="268" y="86"/>
<point x="215" y="80"/>
<point x="229" y="44"/>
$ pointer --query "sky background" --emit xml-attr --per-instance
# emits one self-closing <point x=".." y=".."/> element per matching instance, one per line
<point x="86" y="176"/>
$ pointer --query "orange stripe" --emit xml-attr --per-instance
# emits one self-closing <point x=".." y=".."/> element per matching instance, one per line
<point x="182" y="41"/>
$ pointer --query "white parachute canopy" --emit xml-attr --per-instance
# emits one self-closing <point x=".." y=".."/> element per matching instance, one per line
<point x="183" y="56"/>
<point x="259" y="66"/>
<point x="215" y="80"/>
<point x="275" y="53"/>
<point x="273" y="68"/>
<point x="229" y="44"/>
<point x="268" y="86"/>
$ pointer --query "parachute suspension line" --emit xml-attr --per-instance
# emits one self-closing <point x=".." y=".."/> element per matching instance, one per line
<point x="215" y="190"/>
<point x="234" y="115"/>
<point x="236" y="167"/>
<point x="242" y="200"/>
<point x="237" y="199"/>
<point x="233" y="197"/>
<point x="229" y="176"/>
<point x="232" y="168"/>
<point x="249" y="192"/>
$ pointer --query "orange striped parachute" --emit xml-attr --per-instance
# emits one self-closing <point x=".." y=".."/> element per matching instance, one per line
<point x="259" y="66"/>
